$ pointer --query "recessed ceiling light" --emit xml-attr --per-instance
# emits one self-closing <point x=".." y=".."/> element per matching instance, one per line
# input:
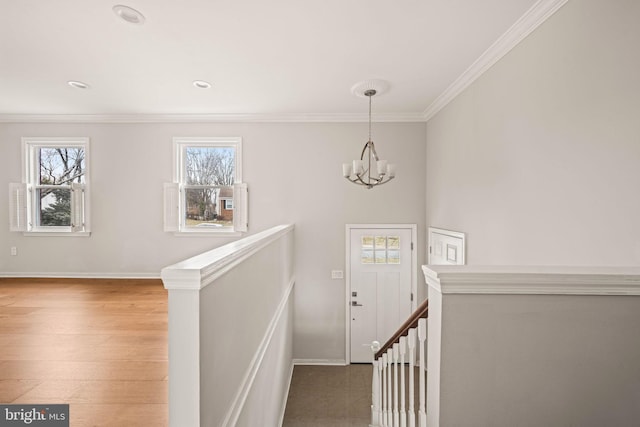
<point x="77" y="84"/>
<point x="129" y="14"/>
<point x="201" y="84"/>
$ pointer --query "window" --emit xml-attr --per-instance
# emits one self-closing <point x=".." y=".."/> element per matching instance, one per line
<point x="380" y="250"/>
<point x="207" y="185"/>
<point x="54" y="194"/>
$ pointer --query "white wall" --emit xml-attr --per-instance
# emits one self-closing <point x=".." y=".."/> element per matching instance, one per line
<point x="294" y="176"/>
<point x="539" y="159"/>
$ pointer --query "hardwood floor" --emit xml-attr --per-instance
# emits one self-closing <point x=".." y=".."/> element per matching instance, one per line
<point x="98" y="345"/>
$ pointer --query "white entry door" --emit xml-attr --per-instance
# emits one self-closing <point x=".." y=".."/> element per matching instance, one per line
<point x="380" y="286"/>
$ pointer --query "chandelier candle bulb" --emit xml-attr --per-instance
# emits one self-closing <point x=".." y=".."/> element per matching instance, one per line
<point x="382" y="167"/>
<point x="346" y="170"/>
<point x="358" y="167"/>
<point x="391" y="170"/>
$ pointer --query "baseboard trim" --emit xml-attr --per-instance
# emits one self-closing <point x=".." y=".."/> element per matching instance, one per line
<point x="320" y="362"/>
<point x="91" y="281"/>
<point x="284" y="404"/>
<point x="32" y="275"/>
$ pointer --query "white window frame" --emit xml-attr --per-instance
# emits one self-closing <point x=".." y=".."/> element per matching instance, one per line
<point x="25" y="204"/>
<point x="174" y="194"/>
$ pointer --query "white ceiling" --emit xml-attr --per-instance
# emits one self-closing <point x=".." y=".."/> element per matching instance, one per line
<point x="275" y="58"/>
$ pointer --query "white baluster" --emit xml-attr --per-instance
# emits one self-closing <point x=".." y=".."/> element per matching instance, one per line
<point x="411" y="341"/>
<point x="384" y="390"/>
<point x="403" y="412"/>
<point x="389" y="387"/>
<point x="422" y="336"/>
<point x="396" y="415"/>
<point x="380" y="376"/>
<point x="375" y="393"/>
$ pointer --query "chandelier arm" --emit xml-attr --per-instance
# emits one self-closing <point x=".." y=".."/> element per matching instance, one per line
<point x="359" y="181"/>
<point x="384" y="182"/>
<point x="372" y="153"/>
<point x="373" y="150"/>
<point x="364" y="149"/>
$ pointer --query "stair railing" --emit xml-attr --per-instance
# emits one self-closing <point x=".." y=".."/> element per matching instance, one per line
<point x="389" y="404"/>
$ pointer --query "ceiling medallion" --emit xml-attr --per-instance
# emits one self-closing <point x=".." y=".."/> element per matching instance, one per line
<point x="77" y="84"/>
<point x="201" y="84"/>
<point x="129" y="14"/>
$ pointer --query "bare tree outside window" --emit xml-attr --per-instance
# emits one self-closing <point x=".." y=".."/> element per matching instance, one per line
<point x="58" y="168"/>
<point x="209" y="173"/>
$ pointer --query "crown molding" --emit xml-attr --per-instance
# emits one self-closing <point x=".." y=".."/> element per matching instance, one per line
<point x="211" y="118"/>
<point x="532" y="19"/>
<point x="533" y="280"/>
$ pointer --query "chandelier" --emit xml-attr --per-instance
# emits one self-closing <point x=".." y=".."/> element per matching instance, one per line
<point x="370" y="170"/>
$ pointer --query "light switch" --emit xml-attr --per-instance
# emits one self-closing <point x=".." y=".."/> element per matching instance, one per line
<point x="337" y="274"/>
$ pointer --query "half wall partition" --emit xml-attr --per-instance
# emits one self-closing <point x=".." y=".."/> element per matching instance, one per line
<point x="230" y="332"/>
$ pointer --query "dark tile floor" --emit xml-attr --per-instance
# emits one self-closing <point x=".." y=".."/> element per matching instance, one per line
<point x="329" y="396"/>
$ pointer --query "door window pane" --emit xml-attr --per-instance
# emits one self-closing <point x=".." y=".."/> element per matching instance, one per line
<point x="380" y="250"/>
<point x="367" y="241"/>
<point x="366" y="256"/>
<point x="393" y="242"/>
<point x="381" y="256"/>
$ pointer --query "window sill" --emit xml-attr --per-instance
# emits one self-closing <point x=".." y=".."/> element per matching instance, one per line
<point x="207" y="233"/>
<point x="57" y="233"/>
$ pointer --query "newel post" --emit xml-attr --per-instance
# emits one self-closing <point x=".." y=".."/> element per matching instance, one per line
<point x="184" y="347"/>
<point x="375" y="387"/>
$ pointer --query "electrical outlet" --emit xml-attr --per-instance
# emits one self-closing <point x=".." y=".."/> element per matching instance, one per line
<point x="14" y="251"/>
<point x="337" y="274"/>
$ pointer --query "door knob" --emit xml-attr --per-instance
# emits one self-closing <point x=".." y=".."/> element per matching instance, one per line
<point x="355" y="304"/>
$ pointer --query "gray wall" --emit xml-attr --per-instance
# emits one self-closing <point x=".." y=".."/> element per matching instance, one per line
<point x="294" y="175"/>
<point x="539" y="159"/>
<point x="539" y="360"/>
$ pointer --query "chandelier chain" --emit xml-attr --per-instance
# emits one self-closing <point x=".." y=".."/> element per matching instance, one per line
<point x="370" y="96"/>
